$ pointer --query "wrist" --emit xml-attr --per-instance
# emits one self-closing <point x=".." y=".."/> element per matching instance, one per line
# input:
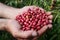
<point x="10" y="12"/>
<point x="6" y="11"/>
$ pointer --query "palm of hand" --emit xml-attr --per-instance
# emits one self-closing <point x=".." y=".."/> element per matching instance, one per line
<point x="14" y="27"/>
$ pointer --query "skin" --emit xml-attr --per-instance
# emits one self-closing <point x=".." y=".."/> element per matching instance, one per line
<point x="11" y="25"/>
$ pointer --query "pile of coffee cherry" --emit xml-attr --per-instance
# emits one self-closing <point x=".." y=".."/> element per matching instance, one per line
<point x="33" y="19"/>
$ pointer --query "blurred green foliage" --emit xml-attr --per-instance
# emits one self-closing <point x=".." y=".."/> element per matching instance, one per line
<point x="52" y="34"/>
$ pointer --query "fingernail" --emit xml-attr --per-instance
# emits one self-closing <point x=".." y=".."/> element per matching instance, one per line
<point x="50" y="17"/>
<point x="49" y="25"/>
<point x="50" y="21"/>
<point x="48" y="13"/>
<point x="34" y="33"/>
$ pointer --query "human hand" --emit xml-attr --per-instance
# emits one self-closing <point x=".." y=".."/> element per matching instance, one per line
<point x="14" y="28"/>
<point x="42" y="30"/>
<point x="12" y="13"/>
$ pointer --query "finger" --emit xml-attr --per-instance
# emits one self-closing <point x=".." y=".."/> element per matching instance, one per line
<point x="50" y="16"/>
<point x="49" y="25"/>
<point x="26" y="8"/>
<point x="25" y="34"/>
<point x="31" y="7"/>
<point x="48" y="13"/>
<point x="41" y="9"/>
<point x="50" y="21"/>
<point x="42" y="30"/>
<point x="34" y="34"/>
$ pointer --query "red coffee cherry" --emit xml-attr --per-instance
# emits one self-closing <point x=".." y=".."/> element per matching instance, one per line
<point x="33" y="19"/>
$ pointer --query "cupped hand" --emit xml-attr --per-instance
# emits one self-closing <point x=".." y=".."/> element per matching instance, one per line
<point x="14" y="27"/>
<point x="43" y="29"/>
